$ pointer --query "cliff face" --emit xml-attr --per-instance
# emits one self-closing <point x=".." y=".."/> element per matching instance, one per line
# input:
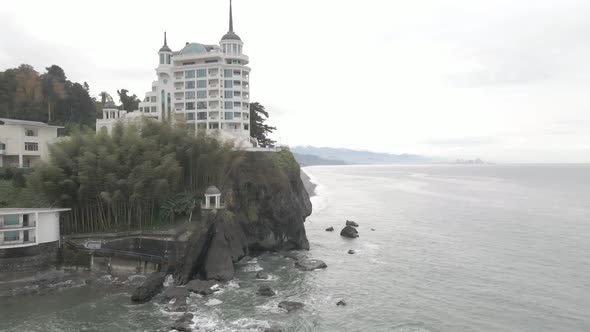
<point x="266" y="209"/>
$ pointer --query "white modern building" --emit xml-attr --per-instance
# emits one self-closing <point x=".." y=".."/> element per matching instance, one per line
<point x="206" y="86"/>
<point x="28" y="227"/>
<point x="22" y="143"/>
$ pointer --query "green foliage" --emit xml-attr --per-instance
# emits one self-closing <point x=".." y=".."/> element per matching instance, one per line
<point x="130" y="103"/>
<point x="127" y="179"/>
<point x="15" y="196"/>
<point x="258" y="129"/>
<point x="50" y="97"/>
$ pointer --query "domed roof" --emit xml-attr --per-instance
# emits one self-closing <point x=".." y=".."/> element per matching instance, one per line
<point x="110" y="105"/>
<point x="193" y="48"/>
<point x="231" y="36"/>
<point x="165" y="48"/>
<point x="212" y="191"/>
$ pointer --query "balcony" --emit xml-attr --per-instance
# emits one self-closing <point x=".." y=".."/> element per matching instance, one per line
<point x="2" y="150"/>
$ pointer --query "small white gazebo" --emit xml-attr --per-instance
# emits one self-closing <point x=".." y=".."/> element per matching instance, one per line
<point x="212" y="199"/>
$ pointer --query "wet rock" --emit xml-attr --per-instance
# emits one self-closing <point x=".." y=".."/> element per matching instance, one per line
<point x="351" y="223"/>
<point x="292" y="255"/>
<point x="262" y="275"/>
<point x="150" y="288"/>
<point x="341" y="303"/>
<point x="330" y="229"/>
<point x="175" y="293"/>
<point x="182" y="327"/>
<point x="310" y="264"/>
<point x="372" y="229"/>
<point x="188" y="317"/>
<point x="290" y="305"/>
<point x="202" y="287"/>
<point x="266" y="290"/>
<point x="349" y="232"/>
<point x="351" y="252"/>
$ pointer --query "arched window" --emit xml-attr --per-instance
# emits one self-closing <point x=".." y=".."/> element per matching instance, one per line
<point x="163" y="105"/>
<point x="162" y="58"/>
<point x="169" y="108"/>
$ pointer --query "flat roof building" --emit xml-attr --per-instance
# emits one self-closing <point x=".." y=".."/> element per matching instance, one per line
<point x="23" y="143"/>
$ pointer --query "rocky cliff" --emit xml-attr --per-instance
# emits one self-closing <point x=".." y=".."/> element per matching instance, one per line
<point x="266" y="206"/>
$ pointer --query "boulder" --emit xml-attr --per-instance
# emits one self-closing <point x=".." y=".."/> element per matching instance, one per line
<point x="262" y="275"/>
<point x="349" y="232"/>
<point x="372" y="229"/>
<point x="150" y="288"/>
<point x="310" y="264"/>
<point x="341" y="303"/>
<point x="219" y="264"/>
<point x="290" y="305"/>
<point x="330" y="229"/>
<point x="175" y="293"/>
<point x="266" y="290"/>
<point x="202" y="287"/>
<point x="351" y="223"/>
<point x="182" y="326"/>
<point x="187" y="317"/>
<point x="351" y="252"/>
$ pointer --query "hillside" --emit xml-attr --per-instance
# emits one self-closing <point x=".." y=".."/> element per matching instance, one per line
<point x="348" y="156"/>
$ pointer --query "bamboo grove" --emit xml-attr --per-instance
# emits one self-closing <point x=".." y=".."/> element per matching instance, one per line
<point x="132" y="178"/>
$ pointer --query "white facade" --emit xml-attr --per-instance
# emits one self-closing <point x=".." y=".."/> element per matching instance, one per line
<point x="22" y="143"/>
<point x="28" y="227"/>
<point x="205" y="86"/>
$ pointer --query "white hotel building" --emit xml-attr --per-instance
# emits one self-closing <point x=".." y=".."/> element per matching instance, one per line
<point x="206" y="86"/>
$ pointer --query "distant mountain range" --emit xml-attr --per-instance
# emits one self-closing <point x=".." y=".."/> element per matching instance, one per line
<point x="311" y="155"/>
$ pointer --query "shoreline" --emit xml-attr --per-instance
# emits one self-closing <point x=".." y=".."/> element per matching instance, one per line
<point x="308" y="184"/>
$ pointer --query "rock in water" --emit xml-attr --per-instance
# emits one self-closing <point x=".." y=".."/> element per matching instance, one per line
<point x="351" y="252"/>
<point x="175" y="293"/>
<point x="291" y="306"/>
<point x="310" y="264"/>
<point x="349" y="232"/>
<point x="330" y="229"/>
<point x="202" y="287"/>
<point x="272" y="329"/>
<point x="373" y="229"/>
<point x="150" y="288"/>
<point x="341" y="303"/>
<point x="266" y="291"/>
<point x="351" y="223"/>
<point x="262" y="275"/>
<point x="182" y="326"/>
<point x="219" y="264"/>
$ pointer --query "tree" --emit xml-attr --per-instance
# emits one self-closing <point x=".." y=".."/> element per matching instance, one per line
<point x="130" y="103"/>
<point x="258" y="129"/>
<point x="53" y="86"/>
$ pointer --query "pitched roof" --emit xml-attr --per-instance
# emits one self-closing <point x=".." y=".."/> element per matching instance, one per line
<point x="212" y="191"/>
<point x="25" y="123"/>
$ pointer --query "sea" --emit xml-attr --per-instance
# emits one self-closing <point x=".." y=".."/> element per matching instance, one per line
<point x="441" y="248"/>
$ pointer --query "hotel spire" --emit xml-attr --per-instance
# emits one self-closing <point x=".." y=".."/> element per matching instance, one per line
<point x="231" y="35"/>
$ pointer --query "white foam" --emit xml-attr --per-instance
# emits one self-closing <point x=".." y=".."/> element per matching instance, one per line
<point x="213" y="302"/>
<point x="169" y="281"/>
<point x="318" y="201"/>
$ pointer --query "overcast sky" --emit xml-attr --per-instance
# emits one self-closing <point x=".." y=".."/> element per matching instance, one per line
<point x="504" y="80"/>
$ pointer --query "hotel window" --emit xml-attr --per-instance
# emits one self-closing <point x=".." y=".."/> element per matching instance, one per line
<point x="31" y="132"/>
<point x="202" y="116"/>
<point x="31" y="146"/>
<point x="246" y="126"/>
<point x="229" y="105"/>
<point x="11" y="236"/>
<point x="214" y="125"/>
<point x="154" y="109"/>
<point x="235" y="49"/>
<point x="168" y="58"/>
<point x="237" y="104"/>
<point x="2" y="146"/>
<point x="141" y="109"/>
<point x="228" y="94"/>
<point x="211" y="61"/>
<point x="189" y="95"/>
<point x="202" y="73"/>
<point x="229" y="115"/>
<point x="229" y="84"/>
<point x="246" y="116"/>
<point x="11" y="220"/>
<point x="201" y="94"/>
<point x="237" y="93"/>
<point x="189" y="84"/>
<point x="190" y="116"/>
<point x="237" y="73"/>
<point x="201" y="105"/>
<point x="201" y="84"/>
<point x="189" y="74"/>
<point x="161" y="59"/>
<point x="190" y="106"/>
<point x="153" y="99"/>
<point x="238" y="83"/>
<point x="237" y="115"/>
<point x="227" y="72"/>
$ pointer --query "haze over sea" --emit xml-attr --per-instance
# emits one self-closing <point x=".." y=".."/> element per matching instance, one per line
<point x="455" y="248"/>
